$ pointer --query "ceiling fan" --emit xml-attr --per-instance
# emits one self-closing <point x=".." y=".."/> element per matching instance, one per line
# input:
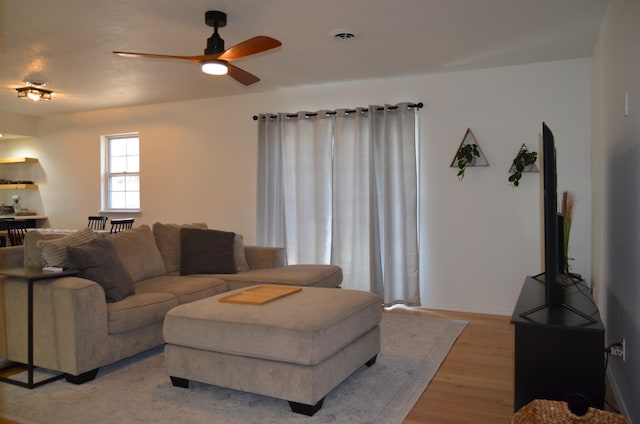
<point x="216" y="60"/>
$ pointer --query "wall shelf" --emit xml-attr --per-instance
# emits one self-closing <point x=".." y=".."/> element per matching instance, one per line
<point x="18" y="186"/>
<point x="17" y="160"/>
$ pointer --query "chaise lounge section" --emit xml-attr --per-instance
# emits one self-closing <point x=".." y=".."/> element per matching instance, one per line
<point x="81" y="324"/>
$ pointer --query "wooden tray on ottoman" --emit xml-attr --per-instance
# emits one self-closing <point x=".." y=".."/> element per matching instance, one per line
<point x="260" y="295"/>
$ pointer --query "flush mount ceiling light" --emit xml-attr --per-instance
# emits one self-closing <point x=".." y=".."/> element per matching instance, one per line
<point x="34" y="91"/>
<point x="215" y="67"/>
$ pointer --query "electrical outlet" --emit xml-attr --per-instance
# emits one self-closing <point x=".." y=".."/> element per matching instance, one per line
<point x="618" y="350"/>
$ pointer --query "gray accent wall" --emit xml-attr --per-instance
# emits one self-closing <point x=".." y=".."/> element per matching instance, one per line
<point x="616" y="193"/>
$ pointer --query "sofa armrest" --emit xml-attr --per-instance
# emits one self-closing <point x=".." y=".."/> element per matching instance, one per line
<point x="70" y="323"/>
<point x="259" y="257"/>
<point x="11" y="257"/>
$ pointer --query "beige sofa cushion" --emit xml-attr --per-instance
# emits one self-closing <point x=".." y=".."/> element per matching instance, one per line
<point x="185" y="289"/>
<point x="309" y="275"/>
<point x="239" y="254"/>
<point x="138" y="252"/>
<point x="167" y="238"/>
<point x="138" y="310"/>
<point x="259" y="257"/>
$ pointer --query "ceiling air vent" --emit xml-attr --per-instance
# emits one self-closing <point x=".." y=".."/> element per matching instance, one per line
<point x="343" y="34"/>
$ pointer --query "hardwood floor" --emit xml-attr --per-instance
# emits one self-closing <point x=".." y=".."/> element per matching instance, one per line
<point x="474" y="383"/>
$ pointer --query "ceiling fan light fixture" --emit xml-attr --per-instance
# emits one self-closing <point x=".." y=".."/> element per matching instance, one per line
<point x="215" y="67"/>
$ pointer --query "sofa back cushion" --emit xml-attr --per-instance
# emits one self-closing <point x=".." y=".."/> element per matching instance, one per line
<point x="138" y="252"/>
<point x="239" y="254"/>
<point x="168" y="241"/>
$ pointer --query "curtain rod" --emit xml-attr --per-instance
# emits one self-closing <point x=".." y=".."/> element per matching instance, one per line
<point x="310" y="114"/>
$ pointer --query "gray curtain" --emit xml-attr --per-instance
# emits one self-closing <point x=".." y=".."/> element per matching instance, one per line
<point x="342" y="188"/>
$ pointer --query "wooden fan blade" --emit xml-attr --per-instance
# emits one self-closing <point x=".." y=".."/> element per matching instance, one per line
<point x="248" y="47"/>
<point x="196" y="59"/>
<point x="240" y="75"/>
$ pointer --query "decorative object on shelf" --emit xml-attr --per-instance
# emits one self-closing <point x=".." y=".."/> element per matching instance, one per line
<point x="16" y="203"/>
<point x="525" y="161"/>
<point x="568" y="203"/>
<point x="469" y="154"/>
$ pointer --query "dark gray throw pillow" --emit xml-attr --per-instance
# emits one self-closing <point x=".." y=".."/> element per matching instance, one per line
<point x="98" y="261"/>
<point x="204" y="251"/>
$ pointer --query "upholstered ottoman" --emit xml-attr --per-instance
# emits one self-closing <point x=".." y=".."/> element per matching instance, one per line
<point x="298" y="347"/>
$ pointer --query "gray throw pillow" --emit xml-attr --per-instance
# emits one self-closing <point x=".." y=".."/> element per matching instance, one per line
<point x="98" y="261"/>
<point x="206" y="251"/>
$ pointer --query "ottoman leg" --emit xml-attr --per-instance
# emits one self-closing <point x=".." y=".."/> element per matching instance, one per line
<point x="303" y="408"/>
<point x="371" y="361"/>
<point x="179" y="382"/>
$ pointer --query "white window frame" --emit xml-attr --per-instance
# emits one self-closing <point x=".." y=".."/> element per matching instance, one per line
<point x="106" y="174"/>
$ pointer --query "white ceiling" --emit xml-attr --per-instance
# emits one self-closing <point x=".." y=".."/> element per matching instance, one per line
<point x="69" y="44"/>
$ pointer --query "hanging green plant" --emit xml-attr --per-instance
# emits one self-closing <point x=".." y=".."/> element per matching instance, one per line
<point x="524" y="160"/>
<point x="465" y="156"/>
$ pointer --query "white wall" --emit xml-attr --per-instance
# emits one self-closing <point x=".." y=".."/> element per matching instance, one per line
<point x="15" y="124"/>
<point x="616" y="205"/>
<point x="480" y="236"/>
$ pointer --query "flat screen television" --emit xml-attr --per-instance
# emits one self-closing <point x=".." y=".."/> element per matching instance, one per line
<point x="554" y="277"/>
<point x="553" y="266"/>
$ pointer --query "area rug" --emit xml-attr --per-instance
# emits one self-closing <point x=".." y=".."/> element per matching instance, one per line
<point x="137" y="390"/>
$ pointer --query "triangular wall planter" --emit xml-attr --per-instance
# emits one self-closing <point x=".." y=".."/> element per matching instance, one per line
<point x="530" y="168"/>
<point x="469" y="138"/>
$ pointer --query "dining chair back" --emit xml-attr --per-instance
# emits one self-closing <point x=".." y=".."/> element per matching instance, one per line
<point x="121" y="224"/>
<point x="97" y="222"/>
<point x="16" y="230"/>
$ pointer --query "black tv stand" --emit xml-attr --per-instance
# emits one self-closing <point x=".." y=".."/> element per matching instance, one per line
<point x="557" y="352"/>
<point x="571" y="279"/>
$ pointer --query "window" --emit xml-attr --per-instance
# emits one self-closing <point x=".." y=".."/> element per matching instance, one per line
<point x="121" y="172"/>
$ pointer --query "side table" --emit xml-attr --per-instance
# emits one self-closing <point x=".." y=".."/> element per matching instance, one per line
<point x="30" y="275"/>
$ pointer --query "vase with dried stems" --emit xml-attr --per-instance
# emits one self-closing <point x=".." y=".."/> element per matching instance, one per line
<point x="568" y="203"/>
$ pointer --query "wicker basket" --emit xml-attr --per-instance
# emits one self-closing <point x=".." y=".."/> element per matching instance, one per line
<point x="555" y="412"/>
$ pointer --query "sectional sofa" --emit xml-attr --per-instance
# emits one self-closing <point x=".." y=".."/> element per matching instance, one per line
<point x="127" y="282"/>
